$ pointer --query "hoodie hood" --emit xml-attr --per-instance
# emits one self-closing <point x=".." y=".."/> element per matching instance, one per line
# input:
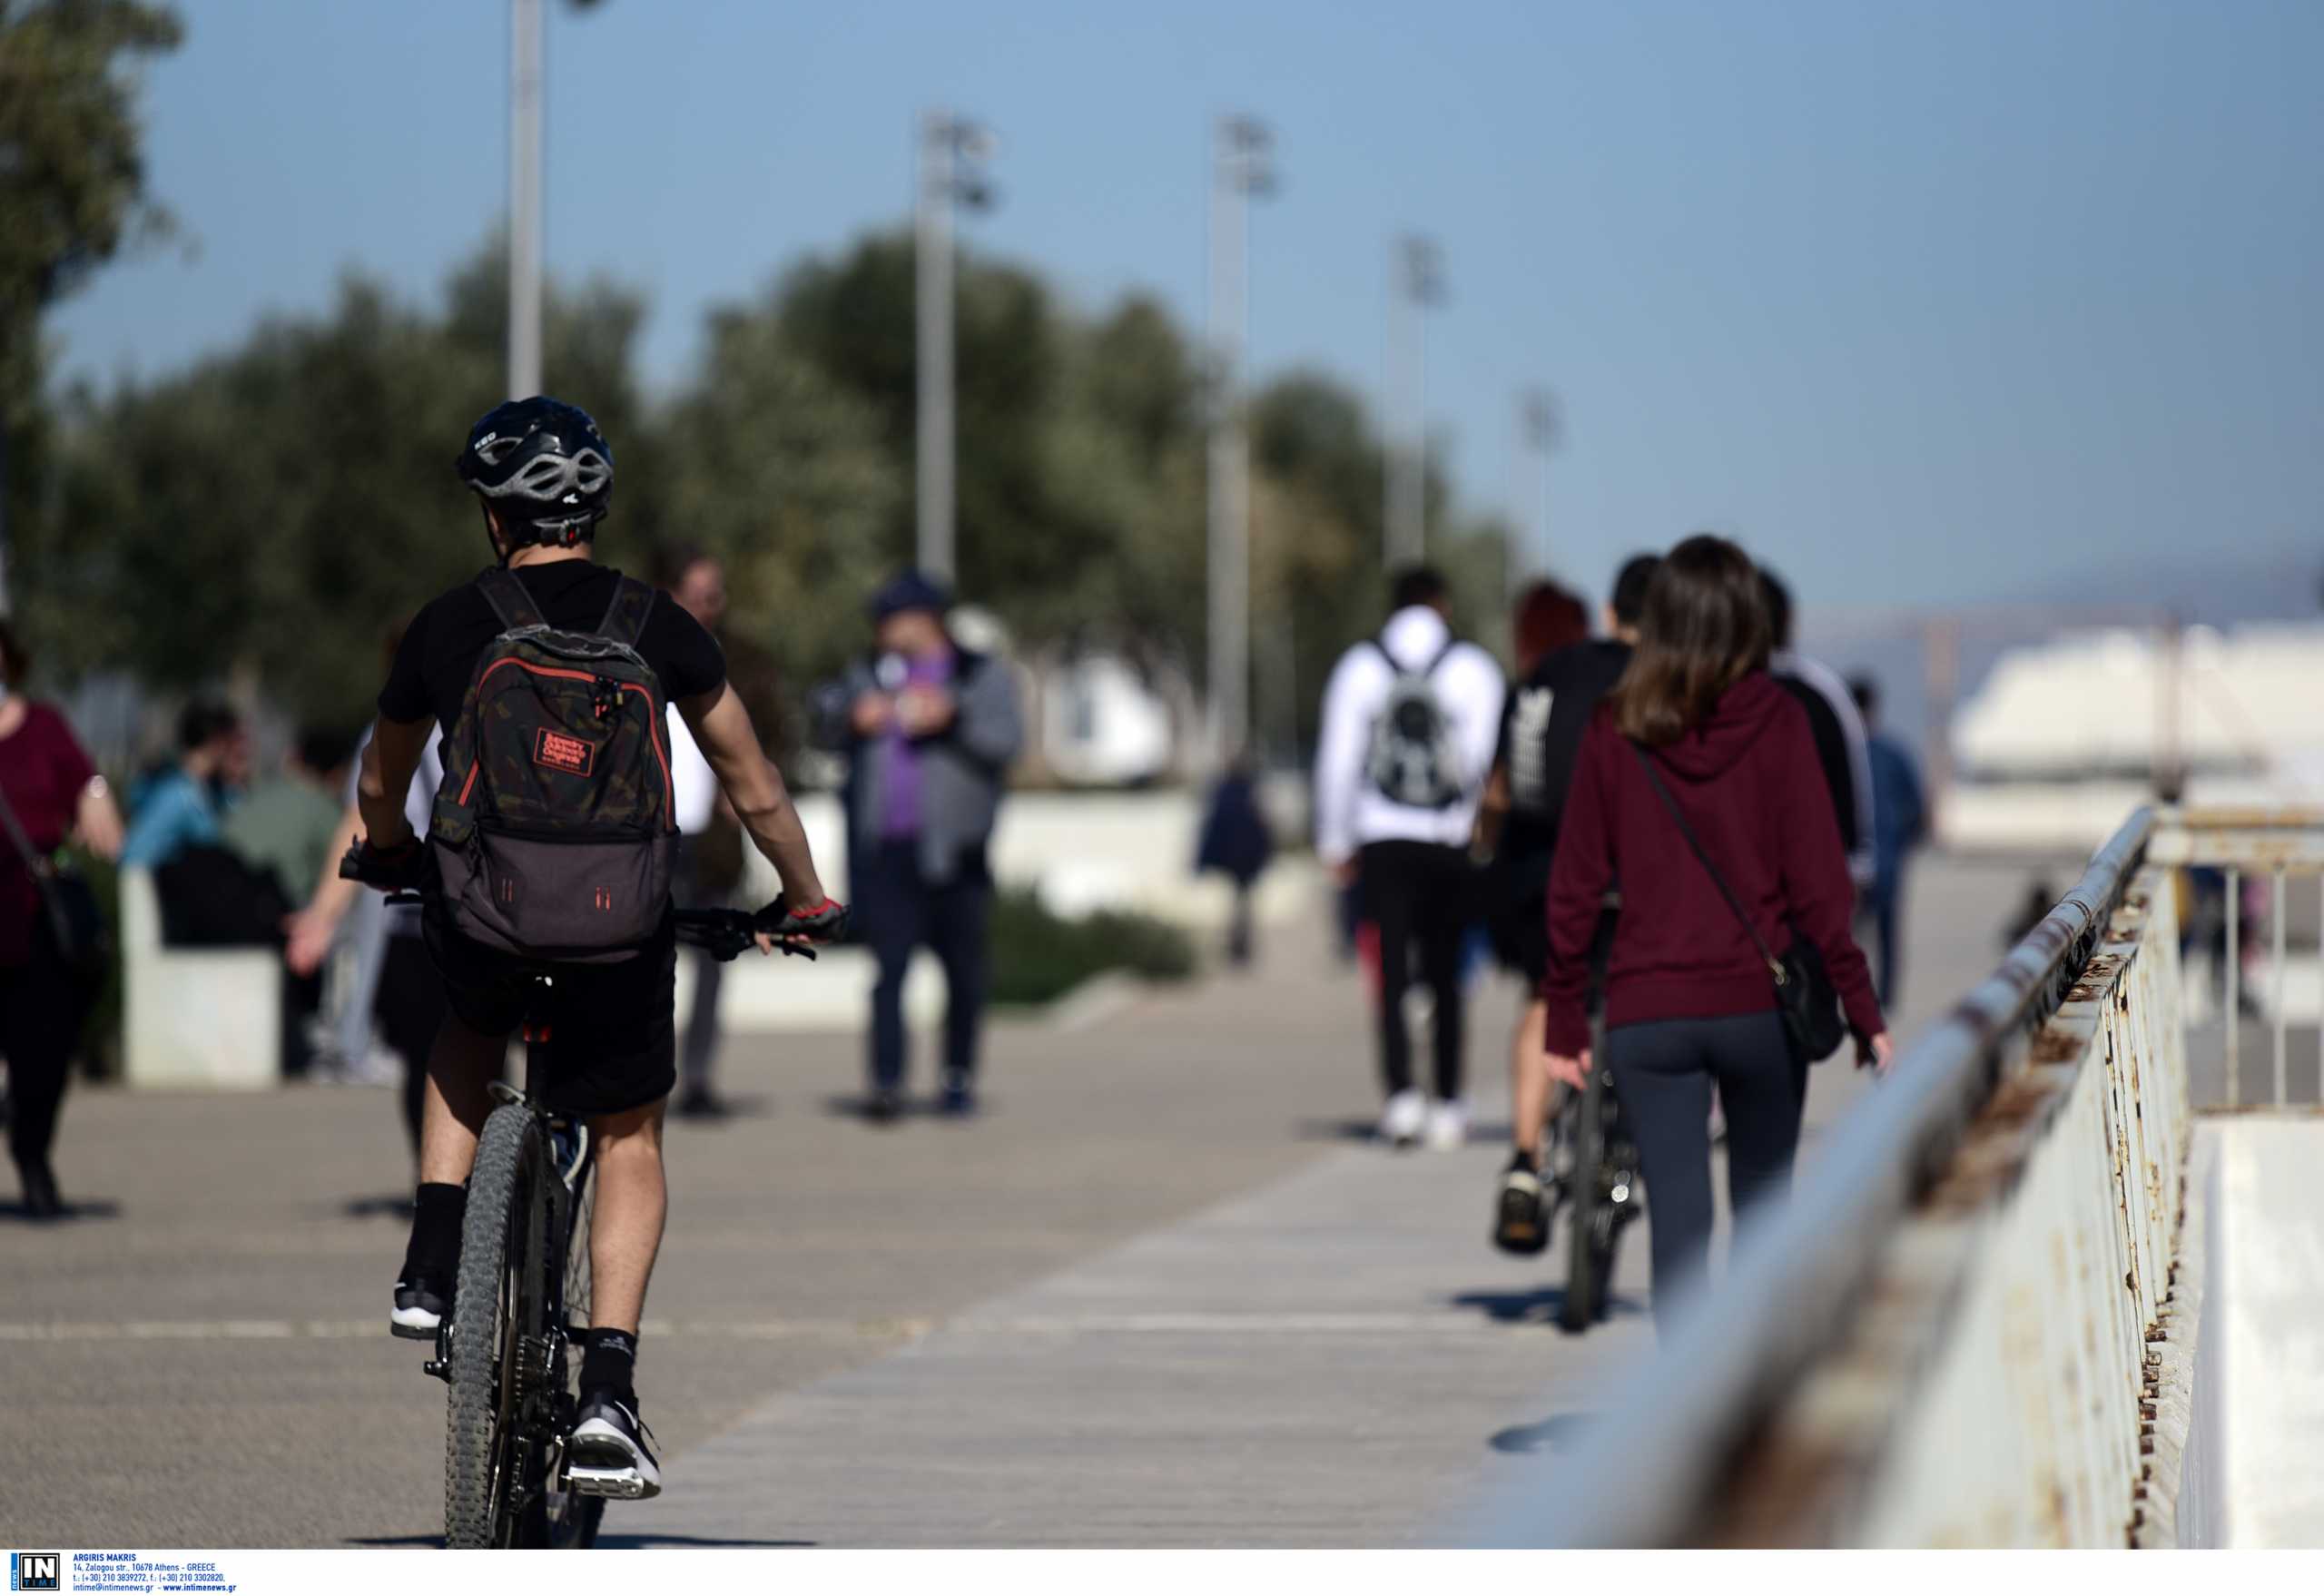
<point x="1414" y="634"/>
<point x="1745" y="714"/>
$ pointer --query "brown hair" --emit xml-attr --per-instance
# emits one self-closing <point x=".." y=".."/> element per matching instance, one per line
<point x="1704" y="629"/>
<point x="1548" y="618"/>
<point x="15" y="665"/>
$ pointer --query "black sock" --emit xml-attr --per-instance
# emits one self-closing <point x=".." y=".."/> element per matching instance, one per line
<point x="608" y="1364"/>
<point x="1522" y="1160"/>
<point x="437" y="1209"/>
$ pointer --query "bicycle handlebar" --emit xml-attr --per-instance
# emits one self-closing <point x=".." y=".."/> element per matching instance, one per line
<point x="725" y="934"/>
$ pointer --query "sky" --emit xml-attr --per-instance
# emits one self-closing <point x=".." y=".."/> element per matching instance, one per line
<point x="1931" y="302"/>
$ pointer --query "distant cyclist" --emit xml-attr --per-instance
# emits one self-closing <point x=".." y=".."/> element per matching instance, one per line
<point x="545" y="476"/>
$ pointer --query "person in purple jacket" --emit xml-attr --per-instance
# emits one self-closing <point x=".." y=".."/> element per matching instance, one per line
<point x="1690" y="1002"/>
<point x="929" y="728"/>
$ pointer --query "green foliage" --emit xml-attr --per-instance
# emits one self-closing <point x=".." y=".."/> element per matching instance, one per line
<point x="1039" y="956"/>
<point x="71" y="192"/>
<point x="265" y="517"/>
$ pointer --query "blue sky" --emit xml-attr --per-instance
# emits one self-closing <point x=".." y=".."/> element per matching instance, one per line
<point x="1931" y="304"/>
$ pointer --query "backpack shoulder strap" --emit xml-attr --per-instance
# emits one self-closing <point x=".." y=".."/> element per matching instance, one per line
<point x="1380" y="647"/>
<point x="508" y="599"/>
<point x="1654" y="780"/>
<point x="625" y="621"/>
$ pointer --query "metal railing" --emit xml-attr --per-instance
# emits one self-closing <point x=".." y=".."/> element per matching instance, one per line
<point x="1942" y="1338"/>
<point x="2222" y="852"/>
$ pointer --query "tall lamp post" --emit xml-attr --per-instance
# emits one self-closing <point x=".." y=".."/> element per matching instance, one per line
<point x="1529" y="518"/>
<point x="952" y="153"/>
<point x="1417" y="282"/>
<point x="524" y="198"/>
<point x="1240" y="169"/>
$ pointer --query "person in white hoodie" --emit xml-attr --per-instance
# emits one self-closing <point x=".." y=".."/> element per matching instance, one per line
<point x="1411" y="718"/>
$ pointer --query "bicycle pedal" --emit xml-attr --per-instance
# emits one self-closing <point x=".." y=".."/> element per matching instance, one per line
<point x="621" y="1484"/>
<point x="439" y="1367"/>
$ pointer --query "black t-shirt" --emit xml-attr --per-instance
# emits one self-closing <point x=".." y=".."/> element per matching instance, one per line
<point x="1831" y="753"/>
<point x="437" y="659"/>
<point x="1541" y="739"/>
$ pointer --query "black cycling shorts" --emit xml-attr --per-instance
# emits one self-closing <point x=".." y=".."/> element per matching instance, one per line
<point x="612" y="1038"/>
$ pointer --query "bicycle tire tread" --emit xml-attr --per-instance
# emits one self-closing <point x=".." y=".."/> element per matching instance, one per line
<point x="469" y="1507"/>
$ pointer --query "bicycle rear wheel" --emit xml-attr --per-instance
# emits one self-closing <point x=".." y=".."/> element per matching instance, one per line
<point x="499" y="1253"/>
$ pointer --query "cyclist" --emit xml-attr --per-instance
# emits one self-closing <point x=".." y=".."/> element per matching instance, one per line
<point x="545" y="475"/>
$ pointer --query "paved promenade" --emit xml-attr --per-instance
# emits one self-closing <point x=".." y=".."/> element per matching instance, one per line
<point x="1165" y="1291"/>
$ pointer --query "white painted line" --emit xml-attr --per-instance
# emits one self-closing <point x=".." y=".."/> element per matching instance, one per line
<point x="1185" y="1323"/>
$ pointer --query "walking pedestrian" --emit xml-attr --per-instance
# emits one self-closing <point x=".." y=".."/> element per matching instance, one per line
<point x="709" y="865"/>
<point x="1832" y="719"/>
<point x="1541" y="738"/>
<point x="1899" y="825"/>
<point x="1235" y="843"/>
<point x="930" y="728"/>
<point x="49" y="792"/>
<point x="1409" y="721"/>
<point x="1698" y="748"/>
<point x="395" y="982"/>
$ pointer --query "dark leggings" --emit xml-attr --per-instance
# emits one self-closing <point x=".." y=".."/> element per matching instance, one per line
<point x="41" y="1007"/>
<point x="1663" y="1071"/>
<point x="1418" y="894"/>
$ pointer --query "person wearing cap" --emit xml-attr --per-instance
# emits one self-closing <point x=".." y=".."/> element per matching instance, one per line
<point x="928" y="729"/>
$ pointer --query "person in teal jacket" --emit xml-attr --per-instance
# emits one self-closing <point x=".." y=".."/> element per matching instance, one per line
<point x="181" y="807"/>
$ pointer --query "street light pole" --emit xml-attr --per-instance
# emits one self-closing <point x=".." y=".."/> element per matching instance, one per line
<point x="1530" y="515"/>
<point x="524" y="199"/>
<point x="1417" y="282"/>
<point x="1239" y="169"/>
<point x="947" y="144"/>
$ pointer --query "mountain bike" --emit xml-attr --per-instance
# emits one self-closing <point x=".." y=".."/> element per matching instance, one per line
<point x="508" y="1347"/>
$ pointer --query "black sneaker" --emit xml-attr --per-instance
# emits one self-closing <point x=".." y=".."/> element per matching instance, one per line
<point x="960" y="1099"/>
<point x="421" y="1303"/>
<point x="1521" y="1214"/>
<point x="701" y="1103"/>
<point x="607" y="1455"/>
<point x="885" y="1105"/>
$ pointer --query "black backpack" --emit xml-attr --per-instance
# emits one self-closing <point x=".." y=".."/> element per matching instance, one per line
<point x="1414" y="758"/>
<point x="553" y="830"/>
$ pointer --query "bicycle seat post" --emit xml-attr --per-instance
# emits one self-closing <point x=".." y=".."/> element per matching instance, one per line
<point x="538" y="1038"/>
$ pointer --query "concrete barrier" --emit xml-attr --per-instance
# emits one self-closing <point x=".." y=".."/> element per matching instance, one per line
<point x="194" y="1017"/>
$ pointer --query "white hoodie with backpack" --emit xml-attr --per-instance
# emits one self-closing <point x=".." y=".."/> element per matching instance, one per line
<point x="1351" y="809"/>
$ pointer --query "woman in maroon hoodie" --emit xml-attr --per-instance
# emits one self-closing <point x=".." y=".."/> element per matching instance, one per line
<point x="1689" y="1000"/>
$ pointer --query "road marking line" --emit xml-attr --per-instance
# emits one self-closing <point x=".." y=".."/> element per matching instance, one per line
<point x="890" y="1329"/>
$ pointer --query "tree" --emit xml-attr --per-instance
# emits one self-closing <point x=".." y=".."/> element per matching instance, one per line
<point x="71" y="189"/>
<point x="276" y="511"/>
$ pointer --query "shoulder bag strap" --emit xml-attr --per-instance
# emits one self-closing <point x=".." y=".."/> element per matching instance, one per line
<point x="1654" y="779"/>
<point x="42" y="872"/>
<point x="508" y="599"/>
<point x="23" y="843"/>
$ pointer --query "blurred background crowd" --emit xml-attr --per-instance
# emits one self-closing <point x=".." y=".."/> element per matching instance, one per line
<point x="218" y="506"/>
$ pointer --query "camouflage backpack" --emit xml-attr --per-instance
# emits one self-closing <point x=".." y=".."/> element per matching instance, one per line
<point x="552" y="831"/>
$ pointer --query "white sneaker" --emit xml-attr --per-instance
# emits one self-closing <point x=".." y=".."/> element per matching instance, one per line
<point x="1400" y="1120"/>
<point x="1448" y="1126"/>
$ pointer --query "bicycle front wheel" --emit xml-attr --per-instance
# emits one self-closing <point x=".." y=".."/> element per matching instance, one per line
<point x="1589" y="1250"/>
<point x="498" y="1253"/>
